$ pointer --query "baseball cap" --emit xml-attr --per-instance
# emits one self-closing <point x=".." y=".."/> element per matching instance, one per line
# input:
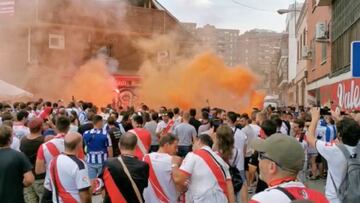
<point x="35" y="123"/>
<point x="285" y="150"/>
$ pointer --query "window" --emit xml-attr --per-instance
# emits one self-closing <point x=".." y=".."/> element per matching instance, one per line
<point x="323" y="53"/>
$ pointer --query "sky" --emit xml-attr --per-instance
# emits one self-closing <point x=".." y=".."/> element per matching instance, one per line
<point x="229" y="14"/>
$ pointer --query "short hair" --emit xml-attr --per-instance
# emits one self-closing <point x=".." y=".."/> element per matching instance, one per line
<point x="170" y="114"/>
<point x="146" y="116"/>
<point x="349" y="131"/>
<point x="21" y="115"/>
<point x="138" y="119"/>
<point x="192" y="112"/>
<point x="115" y="113"/>
<point x="154" y="116"/>
<point x="6" y="116"/>
<point x="205" y="115"/>
<point x="5" y="135"/>
<point x="48" y="104"/>
<point x="63" y="124"/>
<point x="167" y="139"/>
<point x="8" y="123"/>
<point x="245" y="115"/>
<point x="206" y="140"/>
<point x="128" y="141"/>
<point x="97" y="118"/>
<point x="186" y="116"/>
<point x="269" y="127"/>
<point x="22" y="106"/>
<point x="300" y="123"/>
<point x="277" y="120"/>
<point x="232" y="116"/>
<point x="73" y="143"/>
<point x="176" y="110"/>
<point x="111" y="121"/>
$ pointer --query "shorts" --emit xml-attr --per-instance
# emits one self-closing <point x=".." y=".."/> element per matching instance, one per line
<point x="94" y="170"/>
<point x="47" y="196"/>
<point x="320" y="159"/>
<point x="35" y="192"/>
<point x="183" y="150"/>
<point x="246" y="163"/>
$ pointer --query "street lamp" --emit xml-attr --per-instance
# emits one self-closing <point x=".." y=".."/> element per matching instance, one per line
<point x="283" y="11"/>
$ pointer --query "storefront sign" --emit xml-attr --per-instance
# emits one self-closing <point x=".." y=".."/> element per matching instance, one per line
<point x="344" y="94"/>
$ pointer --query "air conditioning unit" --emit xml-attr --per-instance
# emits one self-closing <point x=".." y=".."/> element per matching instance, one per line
<point x="321" y="31"/>
<point x="306" y="53"/>
<point x="56" y="41"/>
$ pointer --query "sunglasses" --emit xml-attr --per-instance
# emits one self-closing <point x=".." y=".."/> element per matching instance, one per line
<point x="262" y="157"/>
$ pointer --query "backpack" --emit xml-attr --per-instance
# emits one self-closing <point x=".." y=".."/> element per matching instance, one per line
<point x="297" y="194"/>
<point x="348" y="191"/>
<point x="235" y="175"/>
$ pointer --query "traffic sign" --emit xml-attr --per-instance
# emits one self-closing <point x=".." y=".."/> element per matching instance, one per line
<point x="355" y="59"/>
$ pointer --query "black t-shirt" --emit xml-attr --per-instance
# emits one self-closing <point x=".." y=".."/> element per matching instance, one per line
<point x="30" y="148"/>
<point x="85" y="127"/>
<point x="261" y="185"/>
<point x="195" y="123"/>
<point x="115" y="135"/>
<point x="127" y="126"/>
<point x="139" y="171"/>
<point x="13" y="165"/>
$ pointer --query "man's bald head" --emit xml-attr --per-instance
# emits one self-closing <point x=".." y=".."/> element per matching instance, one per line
<point x="71" y="140"/>
<point x="128" y="141"/>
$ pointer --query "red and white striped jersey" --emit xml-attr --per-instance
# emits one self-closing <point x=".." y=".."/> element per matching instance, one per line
<point x="161" y="187"/>
<point x="50" y="149"/>
<point x="68" y="176"/>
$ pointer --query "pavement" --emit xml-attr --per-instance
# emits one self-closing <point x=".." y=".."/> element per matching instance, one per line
<point x="318" y="185"/>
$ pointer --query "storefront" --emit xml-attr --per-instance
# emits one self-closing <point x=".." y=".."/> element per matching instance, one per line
<point x="126" y="89"/>
<point x="344" y="94"/>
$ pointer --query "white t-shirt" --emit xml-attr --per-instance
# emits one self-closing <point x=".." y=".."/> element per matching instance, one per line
<point x="162" y="125"/>
<point x="271" y="195"/>
<point x="256" y="128"/>
<point x="15" y="144"/>
<point x="239" y="143"/>
<point x="250" y="134"/>
<point x="161" y="164"/>
<point x="203" y="185"/>
<point x="20" y="130"/>
<point x="336" y="166"/>
<point x="72" y="175"/>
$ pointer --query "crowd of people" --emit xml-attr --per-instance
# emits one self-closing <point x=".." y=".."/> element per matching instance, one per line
<point x="52" y="152"/>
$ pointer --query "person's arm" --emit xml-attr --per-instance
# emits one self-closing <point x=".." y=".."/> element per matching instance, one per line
<point x="83" y="183"/>
<point x="315" y="116"/>
<point x="28" y="178"/>
<point x="40" y="161"/>
<point x="110" y="151"/>
<point x="180" y="176"/>
<point x="230" y="191"/>
<point x="85" y="196"/>
<point x="109" y="146"/>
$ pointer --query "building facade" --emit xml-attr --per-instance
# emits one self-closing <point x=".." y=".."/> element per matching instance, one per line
<point x="260" y="51"/>
<point x="222" y="41"/>
<point x="340" y="89"/>
<point x="64" y="34"/>
<point x="300" y="80"/>
<point x="318" y="46"/>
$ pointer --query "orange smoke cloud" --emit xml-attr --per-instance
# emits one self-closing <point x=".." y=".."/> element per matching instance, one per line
<point x="204" y="81"/>
<point x="92" y="82"/>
